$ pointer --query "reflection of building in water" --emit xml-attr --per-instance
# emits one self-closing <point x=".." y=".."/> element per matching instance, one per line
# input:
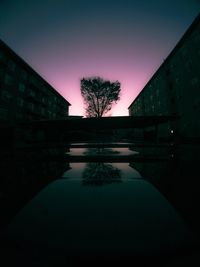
<point x="175" y="89"/>
<point x="24" y="94"/>
<point x="23" y="179"/>
<point x="153" y="171"/>
<point x="176" y="179"/>
<point x="99" y="173"/>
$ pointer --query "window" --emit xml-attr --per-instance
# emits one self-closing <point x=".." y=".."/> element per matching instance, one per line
<point x="11" y="65"/>
<point x="1" y="73"/>
<point x="157" y="92"/>
<point x="21" y="87"/>
<point x="24" y="74"/>
<point x="9" y="80"/>
<point x="2" y="55"/>
<point x="172" y="100"/>
<point x="32" y="93"/>
<point x="177" y="80"/>
<point x="189" y="65"/>
<point x="168" y="72"/>
<point x="194" y="81"/>
<point x="171" y="86"/>
<point x="195" y="107"/>
<point x="196" y="38"/>
<point x="6" y="95"/>
<point x="3" y="113"/>
<point x="30" y="106"/>
<point x="184" y="51"/>
<point x="19" y="116"/>
<point x="42" y="111"/>
<point x="20" y="102"/>
<point x="44" y="101"/>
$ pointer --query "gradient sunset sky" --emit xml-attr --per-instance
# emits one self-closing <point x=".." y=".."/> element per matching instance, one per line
<point x="124" y="40"/>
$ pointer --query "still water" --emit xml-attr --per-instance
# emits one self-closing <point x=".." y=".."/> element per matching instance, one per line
<point x="101" y="212"/>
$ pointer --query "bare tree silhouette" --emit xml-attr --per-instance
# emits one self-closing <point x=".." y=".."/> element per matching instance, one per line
<point x="100" y="173"/>
<point x="99" y="95"/>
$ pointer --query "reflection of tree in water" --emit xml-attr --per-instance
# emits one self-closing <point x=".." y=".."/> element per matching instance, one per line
<point x="99" y="173"/>
<point x="100" y="151"/>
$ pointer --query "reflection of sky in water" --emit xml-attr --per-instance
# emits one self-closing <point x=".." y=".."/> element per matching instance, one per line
<point x="77" y="170"/>
<point x="100" y="144"/>
<point x="95" y="151"/>
<point x="128" y="217"/>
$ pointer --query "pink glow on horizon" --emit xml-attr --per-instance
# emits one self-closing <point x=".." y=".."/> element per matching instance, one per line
<point x="66" y="78"/>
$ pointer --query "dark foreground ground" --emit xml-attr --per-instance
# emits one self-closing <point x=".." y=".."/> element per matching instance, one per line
<point x="172" y="171"/>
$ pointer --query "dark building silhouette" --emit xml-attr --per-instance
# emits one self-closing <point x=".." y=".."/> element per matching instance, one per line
<point x="24" y="94"/>
<point x="175" y="88"/>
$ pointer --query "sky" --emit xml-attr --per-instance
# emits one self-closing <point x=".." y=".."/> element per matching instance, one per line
<point x="124" y="40"/>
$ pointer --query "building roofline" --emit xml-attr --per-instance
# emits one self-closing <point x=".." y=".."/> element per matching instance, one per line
<point x="21" y="60"/>
<point x="177" y="46"/>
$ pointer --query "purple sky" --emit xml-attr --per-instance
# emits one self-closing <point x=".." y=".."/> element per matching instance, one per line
<point x="123" y="40"/>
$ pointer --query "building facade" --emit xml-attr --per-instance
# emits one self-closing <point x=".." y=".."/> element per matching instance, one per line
<point x="24" y="94"/>
<point x="174" y="90"/>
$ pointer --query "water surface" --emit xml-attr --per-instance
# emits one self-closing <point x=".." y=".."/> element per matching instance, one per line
<point x="102" y="210"/>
